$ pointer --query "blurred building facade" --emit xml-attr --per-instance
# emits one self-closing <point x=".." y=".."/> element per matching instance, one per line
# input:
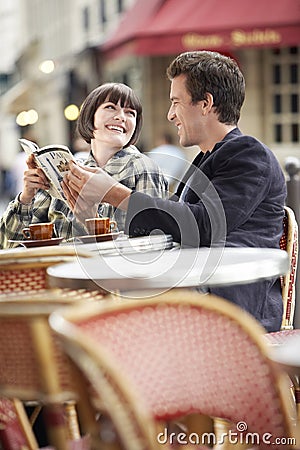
<point x="59" y="51"/>
<point x="53" y="63"/>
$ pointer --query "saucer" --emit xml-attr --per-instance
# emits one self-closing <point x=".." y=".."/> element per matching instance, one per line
<point x="39" y="242"/>
<point x="91" y="238"/>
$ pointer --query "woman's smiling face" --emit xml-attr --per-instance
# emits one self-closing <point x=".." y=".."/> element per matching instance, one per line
<point x="114" y="124"/>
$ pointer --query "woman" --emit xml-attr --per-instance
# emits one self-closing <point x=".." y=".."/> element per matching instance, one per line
<point x="110" y="121"/>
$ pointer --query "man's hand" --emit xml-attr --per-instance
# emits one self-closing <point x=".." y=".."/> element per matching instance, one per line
<point x="82" y="209"/>
<point x="87" y="187"/>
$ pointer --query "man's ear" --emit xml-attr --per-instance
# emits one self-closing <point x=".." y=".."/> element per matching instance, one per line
<point x="208" y="102"/>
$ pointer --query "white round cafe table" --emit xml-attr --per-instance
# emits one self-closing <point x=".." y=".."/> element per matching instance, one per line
<point x="170" y="269"/>
<point x="287" y="354"/>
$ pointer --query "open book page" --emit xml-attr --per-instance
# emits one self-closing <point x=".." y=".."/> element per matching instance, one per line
<point x="54" y="160"/>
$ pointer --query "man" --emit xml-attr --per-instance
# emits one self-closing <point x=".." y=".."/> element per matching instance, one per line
<point x="234" y="192"/>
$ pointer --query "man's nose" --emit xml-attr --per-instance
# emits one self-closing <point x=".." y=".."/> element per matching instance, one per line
<point x="171" y="114"/>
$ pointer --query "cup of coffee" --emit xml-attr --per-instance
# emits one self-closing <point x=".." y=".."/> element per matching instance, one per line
<point x="39" y="231"/>
<point x="100" y="225"/>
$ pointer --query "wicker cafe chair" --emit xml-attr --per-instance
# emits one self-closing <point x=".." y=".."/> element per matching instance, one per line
<point x="288" y="242"/>
<point x="24" y="269"/>
<point x="183" y="353"/>
<point x="33" y="369"/>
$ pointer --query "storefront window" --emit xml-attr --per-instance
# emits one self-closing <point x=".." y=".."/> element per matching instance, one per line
<point x="294" y="73"/>
<point x="294" y="103"/>
<point x="295" y="132"/>
<point x="103" y="16"/>
<point x="282" y="90"/>
<point x="276" y="74"/>
<point x="277" y="103"/>
<point x="278" y="132"/>
<point x="86" y="18"/>
<point x="120" y="6"/>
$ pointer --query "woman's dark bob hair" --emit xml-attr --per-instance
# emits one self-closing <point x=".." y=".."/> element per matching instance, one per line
<point x="108" y="92"/>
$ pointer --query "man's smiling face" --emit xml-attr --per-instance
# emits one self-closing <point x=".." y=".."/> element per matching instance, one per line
<point x="185" y="115"/>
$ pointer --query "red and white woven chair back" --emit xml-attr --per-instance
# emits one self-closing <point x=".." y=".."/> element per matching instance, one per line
<point x="289" y="242"/>
<point x="192" y="356"/>
<point x="26" y="269"/>
<point x="20" y="369"/>
<point x="20" y="280"/>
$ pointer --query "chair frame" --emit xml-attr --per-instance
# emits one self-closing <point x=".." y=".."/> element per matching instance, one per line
<point x="289" y="242"/>
<point x="23" y="276"/>
<point x="46" y="381"/>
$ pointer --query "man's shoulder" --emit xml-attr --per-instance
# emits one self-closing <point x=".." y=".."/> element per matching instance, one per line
<point x="243" y="144"/>
<point x="245" y="139"/>
<point x="246" y="154"/>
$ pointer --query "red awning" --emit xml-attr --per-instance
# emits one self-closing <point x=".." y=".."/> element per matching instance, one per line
<point x="161" y="27"/>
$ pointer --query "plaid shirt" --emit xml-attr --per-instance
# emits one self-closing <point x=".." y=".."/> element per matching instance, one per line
<point x="128" y="166"/>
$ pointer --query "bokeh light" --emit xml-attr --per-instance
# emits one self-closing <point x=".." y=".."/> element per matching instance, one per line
<point x="47" y="66"/>
<point x="25" y="118"/>
<point x="71" y="112"/>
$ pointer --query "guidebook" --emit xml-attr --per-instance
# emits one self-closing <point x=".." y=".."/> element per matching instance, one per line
<point x="54" y="160"/>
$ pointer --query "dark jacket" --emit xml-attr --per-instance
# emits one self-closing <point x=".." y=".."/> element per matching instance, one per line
<point x="233" y="195"/>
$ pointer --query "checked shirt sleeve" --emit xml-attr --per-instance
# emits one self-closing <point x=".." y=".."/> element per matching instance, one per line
<point x="16" y="217"/>
<point x="44" y="208"/>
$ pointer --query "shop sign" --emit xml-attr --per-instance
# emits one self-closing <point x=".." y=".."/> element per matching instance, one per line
<point x="236" y="38"/>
